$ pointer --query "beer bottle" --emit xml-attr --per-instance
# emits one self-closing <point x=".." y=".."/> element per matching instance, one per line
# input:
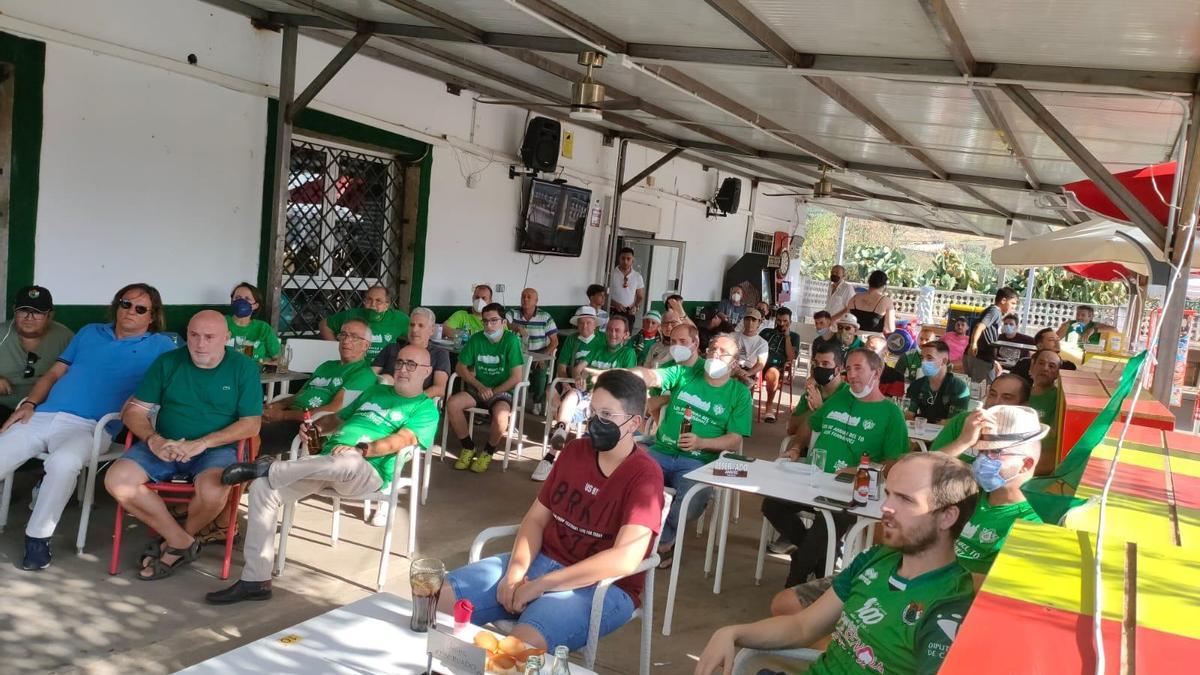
<point x="685" y="427"/>
<point x="862" y="482"/>
<point x="310" y="434"/>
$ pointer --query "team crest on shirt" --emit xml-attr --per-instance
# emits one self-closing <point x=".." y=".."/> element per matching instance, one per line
<point x="989" y="536"/>
<point x="865" y="656"/>
<point x="868" y="425"/>
<point x="718" y="409"/>
<point x="913" y="612"/>
<point x="314" y="401"/>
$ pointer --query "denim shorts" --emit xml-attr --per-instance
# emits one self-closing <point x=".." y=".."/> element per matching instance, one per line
<point x="561" y="617"/>
<point x="159" y="470"/>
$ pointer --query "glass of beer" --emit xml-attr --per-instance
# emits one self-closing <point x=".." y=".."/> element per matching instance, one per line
<point x="425" y="576"/>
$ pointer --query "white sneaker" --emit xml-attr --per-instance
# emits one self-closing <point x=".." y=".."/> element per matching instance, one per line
<point x="379" y="518"/>
<point x="781" y="546"/>
<point x="542" y="472"/>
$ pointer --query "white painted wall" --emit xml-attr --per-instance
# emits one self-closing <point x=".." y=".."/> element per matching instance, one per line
<point x="148" y="161"/>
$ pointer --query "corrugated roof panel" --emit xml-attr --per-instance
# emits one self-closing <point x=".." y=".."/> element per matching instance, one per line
<point x="1157" y="35"/>
<point x="854" y="27"/>
<point x="673" y="22"/>
<point x="490" y="58"/>
<point x="367" y="10"/>
<point x="493" y="16"/>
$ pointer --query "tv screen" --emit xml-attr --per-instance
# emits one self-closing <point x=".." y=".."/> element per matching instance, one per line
<point x="556" y="218"/>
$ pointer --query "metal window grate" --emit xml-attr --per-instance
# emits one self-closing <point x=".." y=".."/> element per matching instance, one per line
<point x="763" y="243"/>
<point x="343" y="232"/>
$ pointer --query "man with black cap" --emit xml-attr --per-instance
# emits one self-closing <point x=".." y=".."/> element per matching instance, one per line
<point x="31" y="343"/>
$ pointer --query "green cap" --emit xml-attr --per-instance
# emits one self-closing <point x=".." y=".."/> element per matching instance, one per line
<point x="653" y="314"/>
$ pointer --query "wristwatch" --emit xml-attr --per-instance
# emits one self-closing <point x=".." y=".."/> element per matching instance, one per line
<point x="363" y="447"/>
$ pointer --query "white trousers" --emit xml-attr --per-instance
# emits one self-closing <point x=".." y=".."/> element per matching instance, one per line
<point x="68" y="440"/>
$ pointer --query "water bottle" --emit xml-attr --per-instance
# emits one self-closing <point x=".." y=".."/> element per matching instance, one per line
<point x="561" y="665"/>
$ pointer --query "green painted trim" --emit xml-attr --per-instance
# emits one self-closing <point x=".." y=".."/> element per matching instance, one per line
<point x="28" y="58"/>
<point x="78" y="316"/>
<point x="324" y="124"/>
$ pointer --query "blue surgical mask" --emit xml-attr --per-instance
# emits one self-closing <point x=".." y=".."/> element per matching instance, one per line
<point x="822" y="332"/>
<point x="1010" y="329"/>
<point x="494" y="335"/>
<point x="241" y="308"/>
<point x="930" y="368"/>
<point x="987" y="473"/>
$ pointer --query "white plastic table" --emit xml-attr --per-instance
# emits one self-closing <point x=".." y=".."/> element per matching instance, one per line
<point x="768" y="479"/>
<point x="925" y="436"/>
<point x="279" y="381"/>
<point x="367" y="636"/>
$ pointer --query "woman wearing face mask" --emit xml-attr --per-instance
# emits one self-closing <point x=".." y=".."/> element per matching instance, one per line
<point x="247" y="335"/>
<point x="595" y="517"/>
<point x="937" y="395"/>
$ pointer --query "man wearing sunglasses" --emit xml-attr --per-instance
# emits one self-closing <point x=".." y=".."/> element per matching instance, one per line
<point x="361" y="455"/>
<point x="94" y="376"/>
<point x="626" y="288"/>
<point x="29" y="345"/>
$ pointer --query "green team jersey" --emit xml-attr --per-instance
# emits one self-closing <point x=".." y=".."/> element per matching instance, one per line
<point x="910" y="364"/>
<point x="642" y="345"/>
<point x="951" y="430"/>
<point x="604" y="357"/>
<point x="386" y="327"/>
<point x="716" y="411"/>
<point x="951" y="397"/>
<point x="492" y="362"/>
<point x="197" y="401"/>
<point x="331" y="377"/>
<point x="381" y="412"/>
<point x="573" y="350"/>
<point x="1046" y="405"/>
<point x="890" y="624"/>
<point x="675" y="375"/>
<point x="850" y="428"/>
<point x="984" y="535"/>
<point x="258" y="335"/>
<point x="463" y="319"/>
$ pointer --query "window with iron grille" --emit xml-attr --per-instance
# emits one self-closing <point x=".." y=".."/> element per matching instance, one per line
<point x="763" y="243"/>
<point x="343" y="231"/>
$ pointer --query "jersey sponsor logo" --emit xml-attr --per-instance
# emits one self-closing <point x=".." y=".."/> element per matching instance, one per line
<point x="319" y="382"/>
<point x="913" y="612"/>
<point x="373" y="408"/>
<point x="962" y="550"/>
<point x="868" y="576"/>
<point x="488" y="359"/>
<point x="871" y="612"/>
<point x="969" y="530"/>
<point x="696" y="401"/>
<point x="865" y="656"/>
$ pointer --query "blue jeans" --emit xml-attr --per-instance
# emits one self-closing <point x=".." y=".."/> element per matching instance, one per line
<point x="160" y="471"/>
<point x="674" y="468"/>
<point x="561" y="617"/>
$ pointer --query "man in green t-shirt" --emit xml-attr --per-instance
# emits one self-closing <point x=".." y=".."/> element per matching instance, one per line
<point x="959" y="433"/>
<point x="856" y="420"/>
<point x="333" y="385"/>
<point x="937" y="394"/>
<point x="209" y="397"/>
<point x="614" y="352"/>
<point x="387" y="324"/>
<point x="1043" y="397"/>
<point x="1090" y="332"/>
<point x="897" y="607"/>
<point x="491" y="365"/>
<point x="717" y="407"/>
<point x="362" y="455"/>
<point x="468" y="321"/>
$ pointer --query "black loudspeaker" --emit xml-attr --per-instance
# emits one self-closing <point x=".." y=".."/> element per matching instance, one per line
<point x="539" y="150"/>
<point x="729" y="195"/>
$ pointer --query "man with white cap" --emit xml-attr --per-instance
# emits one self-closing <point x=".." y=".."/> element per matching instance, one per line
<point x="847" y="334"/>
<point x="752" y="349"/>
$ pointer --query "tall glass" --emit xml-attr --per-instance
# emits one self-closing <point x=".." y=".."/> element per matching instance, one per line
<point x="425" y="576"/>
<point x="816" y="458"/>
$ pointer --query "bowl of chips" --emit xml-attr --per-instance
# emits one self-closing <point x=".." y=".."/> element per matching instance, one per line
<point x="507" y="654"/>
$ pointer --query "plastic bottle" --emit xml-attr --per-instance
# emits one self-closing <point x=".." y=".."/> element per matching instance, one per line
<point x="862" y="482"/>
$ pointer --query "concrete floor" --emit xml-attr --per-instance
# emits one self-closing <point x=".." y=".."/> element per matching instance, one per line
<point x="74" y="617"/>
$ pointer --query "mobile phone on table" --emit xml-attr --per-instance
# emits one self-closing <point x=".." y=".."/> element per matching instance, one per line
<point x="735" y="456"/>
<point x="843" y="477"/>
<point x="844" y="504"/>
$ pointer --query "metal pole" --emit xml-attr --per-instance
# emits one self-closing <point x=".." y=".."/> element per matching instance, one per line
<point x="615" y="217"/>
<point x="749" y="243"/>
<point x="841" y="250"/>
<point x="282" y="166"/>
<point x="1008" y="233"/>
<point x="1028" y="304"/>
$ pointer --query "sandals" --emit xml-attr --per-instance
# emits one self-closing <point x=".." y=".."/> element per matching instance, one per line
<point x="668" y="558"/>
<point x="152" y="551"/>
<point x="161" y="570"/>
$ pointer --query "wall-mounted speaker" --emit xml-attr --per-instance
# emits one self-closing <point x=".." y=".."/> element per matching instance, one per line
<point x="729" y="195"/>
<point x="539" y="149"/>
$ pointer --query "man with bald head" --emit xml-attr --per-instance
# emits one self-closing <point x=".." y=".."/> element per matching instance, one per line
<point x="717" y="408"/>
<point x="361" y="455"/>
<point x="540" y="335"/>
<point x="209" y="397"/>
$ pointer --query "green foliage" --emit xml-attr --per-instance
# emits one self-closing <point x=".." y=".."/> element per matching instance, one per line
<point x="1056" y="283"/>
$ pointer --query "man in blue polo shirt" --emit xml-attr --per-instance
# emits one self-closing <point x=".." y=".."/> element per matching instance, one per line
<point x="99" y="370"/>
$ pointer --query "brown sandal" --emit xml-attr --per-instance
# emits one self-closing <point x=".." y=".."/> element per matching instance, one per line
<point x="162" y="570"/>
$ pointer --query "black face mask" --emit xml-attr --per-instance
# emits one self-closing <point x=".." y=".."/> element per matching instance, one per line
<point x="834" y="278"/>
<point x="823" y="376"/>
<point x="605" y="434"/>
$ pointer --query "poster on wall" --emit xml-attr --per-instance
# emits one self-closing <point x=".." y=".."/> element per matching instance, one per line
<point x="1181" y="354"/>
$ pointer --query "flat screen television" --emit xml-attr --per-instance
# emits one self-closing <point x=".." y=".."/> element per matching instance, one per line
<point x="555" y="219"/>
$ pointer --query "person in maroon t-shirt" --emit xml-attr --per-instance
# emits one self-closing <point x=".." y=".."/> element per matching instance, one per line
<point x="596" y="516"/>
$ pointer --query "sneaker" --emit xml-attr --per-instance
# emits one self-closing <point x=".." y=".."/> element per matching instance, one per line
<point x="37" y="554"/>
<point x="464" y="459"/>
<point x="379" y="518"/>
<point x="481" y="462"/>
<point x="559" y="438"/>
<point x="781" y="546"/>
<point x="542" y="472"/>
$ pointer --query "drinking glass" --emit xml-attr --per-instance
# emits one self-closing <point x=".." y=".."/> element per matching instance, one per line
<point x="425" y="576"/>
<point x="817" y="458"/>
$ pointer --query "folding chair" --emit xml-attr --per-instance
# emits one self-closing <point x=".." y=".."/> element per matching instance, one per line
<point x="387" y="493"/>
<point x="180" y="493"/>
<point x="520" y="394"/>
<point x="645" y="613"/>
<point x="579" y="427"/>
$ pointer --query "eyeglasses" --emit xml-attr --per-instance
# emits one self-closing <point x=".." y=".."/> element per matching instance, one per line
<point x="998" y="453"/>
<point x="492" y="322"/>
<point x="31" y="314"/>
<point x="719" y="354"/>
<point x="350" y="336"/>
<point x="614" y="417"/>
<point x="30" y="360"/>
<point x="409" y="366"/>
<point x="126" y="305"/>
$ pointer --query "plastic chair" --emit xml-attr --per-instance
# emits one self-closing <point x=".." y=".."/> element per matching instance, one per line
<point x="386" y="493"/>
<point x="645" y="613"/>
<point x="579" y="427"/>
<point x="742" y="663"/>
<point x="520" y="394"/>
<point x="180" y="493"/>
<point x="102" y="451"/>
<point x="308" y="353"/>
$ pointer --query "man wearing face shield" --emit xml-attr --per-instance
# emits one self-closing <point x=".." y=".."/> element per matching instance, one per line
<point x="715" y="406"/>
<point x="387" y="325"/>
<point x="595" y="517"/>
<point x="471" y="318"/>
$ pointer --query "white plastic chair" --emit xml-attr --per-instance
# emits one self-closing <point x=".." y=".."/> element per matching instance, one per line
<point x="103" y="450"/>
<point x="579" y="427"/>
<point x="389" y="494"/>
<point x="645" y="613"/>
<point x="515" y="426"/>
<point x="743" y="662"/>
<point x="308" y="353"/>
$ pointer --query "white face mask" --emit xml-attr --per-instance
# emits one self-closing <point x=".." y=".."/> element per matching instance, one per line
<point x="864" y="393"/>
<point x="478" y="304"/>
<point x="681" y="353"/>
<point x="716" y="368"/>
<point x="494" y="335"/>
<point x="587" y="339"/>
<point x="736" y="297"/>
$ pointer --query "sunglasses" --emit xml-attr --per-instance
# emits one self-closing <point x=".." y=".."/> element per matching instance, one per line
<point x="30" y="360"/>
<point x="409" y="366"/>
<point x="126" y="305"/>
